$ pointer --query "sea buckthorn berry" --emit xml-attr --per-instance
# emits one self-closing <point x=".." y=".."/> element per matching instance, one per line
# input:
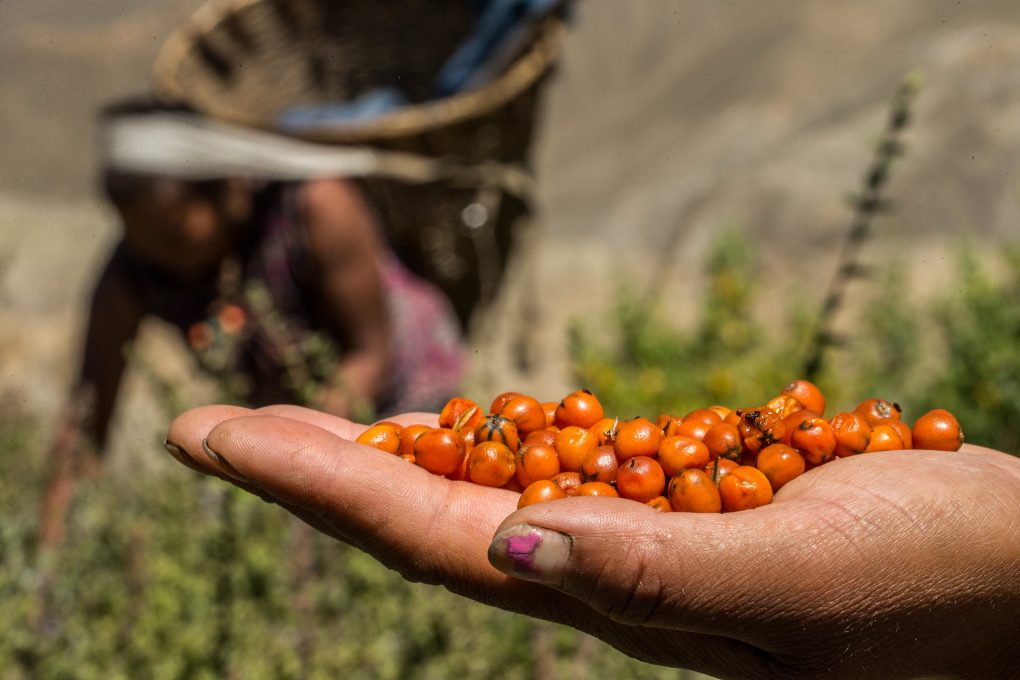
<point x="491" y="464"/>
<point x="884" y="438"/>
<point x="440" y="451"/>
<point x="497" y="428"/>
<point x="744" y="488"/>
<point x="568" y="481"/>
<point x="526" y="412"/>
<point x="460" y="414"/>
<point x="723" y="411"/>
<point x="852" y="433"/>
<point x="815" y="440"/>
<point x="784" y="405"/>
<point x="535" y="462"/>
<point x="640" y="479"/>
<point x="600" y="465"/>
<point x="605" y="430"/>
<point x="549" y="409"/>
<point x="500" y="401"/>
<point x="637" y="437"/>
<point x="545" y="436"/>
<point x="467" y="437"/>
<point x="540" y="491"/>
<point x="596" y="489"/>
<point x="873" y="410"/>
<point x="668" y="424"/>
<point x="573" y="444"/>
<point x="780" y="463"/>
<point x="723" y="441"/>
<point x="579" y="408"/>
<point x="808" y="394"/>
<point x="902" y="428"/>
<point x="703" y="415"/>
<point x="720" y="467"/>
<point x="760" y="427"/>
<point x="694" y="491"/>
<point x="793" y="421"/>
<point x="695" y="429"/>
<point x="409" y="457"/>
<point x="660" y="503"/>
<point x="461" y="473"/>
<point x="382" y="436"/>
<point x="408" y="436"/>
<point x="733" y="417"/>
<point x="937" y="430"/>
<point x="678" y="453"/>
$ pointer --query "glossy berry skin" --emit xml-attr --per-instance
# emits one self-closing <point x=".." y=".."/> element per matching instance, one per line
<point x="600" y="465"/>
<point x="640" y="479"/>
<point x="408" y="436"/>
<point x="579" y="408"/>
<point x="873" y="410"/>
<point x="535" y="462"/>
<point x="760" y="427"/>
<point x="570" y="482"/>
<point x="596" y="489"/>
<point x="852" y="432"/>
<point x="784" y="405"/>
<point x="526" y="412"/>
<point x="808" y="394"/>
<point x="440" y="451"/>
<point x="539" y="492"/>
<point x="545" y="436"/>
<point x="498" y="428"/>
<point x="793" y="421"/>
<point x="703" y="415"/>
<point x="679" y="453"/>
<point x="573" y="444"/>
<point x="383" y="436"/>
<point x="719" y="468"/>
<point x="901" y="428"/>
<point x="549" y="408"/>
<point x="884" y="438"/>
<point x="637" y="437"/>
<point x="815" y="440"/>
<point x="694" y="491"/>
<point x="461" y="414"/>
<point x="723" y="441"/>
<point x="937" y="430"/>
<point x="501" y="400"/>
<point x="491" y="464"/>
<point x="660" y="504"/>
<point x="605" y="430"/>
<point x="744" y="488"/>
<point x="780" y="464"/>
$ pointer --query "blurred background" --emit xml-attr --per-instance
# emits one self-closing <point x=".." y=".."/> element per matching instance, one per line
<point x="700" y="166"/>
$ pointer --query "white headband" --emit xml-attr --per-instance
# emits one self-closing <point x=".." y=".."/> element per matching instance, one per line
<point x="188" y="146"/>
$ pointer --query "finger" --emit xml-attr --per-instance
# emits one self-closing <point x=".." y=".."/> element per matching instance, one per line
<point x="341" y="427"/>
<point x="188" y="431"/>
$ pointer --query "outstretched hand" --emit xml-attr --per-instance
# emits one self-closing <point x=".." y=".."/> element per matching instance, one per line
<point x="894" y="564"/>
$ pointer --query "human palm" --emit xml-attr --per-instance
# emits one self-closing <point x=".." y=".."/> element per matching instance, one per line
<point x="898" y="564"/>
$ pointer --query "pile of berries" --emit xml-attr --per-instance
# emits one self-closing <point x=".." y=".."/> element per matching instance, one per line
<point x="710" y="460"/>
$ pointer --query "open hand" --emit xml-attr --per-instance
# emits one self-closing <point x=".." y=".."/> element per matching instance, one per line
<point x="896" y="564"/>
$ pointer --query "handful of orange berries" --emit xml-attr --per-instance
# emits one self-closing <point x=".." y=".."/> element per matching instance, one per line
<point x="713" y="459"/>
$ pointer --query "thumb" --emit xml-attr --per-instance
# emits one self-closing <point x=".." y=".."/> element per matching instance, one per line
<point x="707" y="573"/>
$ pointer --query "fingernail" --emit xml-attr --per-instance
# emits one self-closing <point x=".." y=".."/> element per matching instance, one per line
<point x="222" y="464"/>
<point x="531" y="553"/>
<point x="175" y="451"/>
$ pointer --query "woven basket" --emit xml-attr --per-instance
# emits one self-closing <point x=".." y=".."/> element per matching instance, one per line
<point x="247" y="61"/>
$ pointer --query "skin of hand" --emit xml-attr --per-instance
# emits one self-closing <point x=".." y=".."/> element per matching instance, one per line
<point x="893" y="565"/>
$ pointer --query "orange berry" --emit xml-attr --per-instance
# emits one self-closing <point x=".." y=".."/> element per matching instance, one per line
<point x="760" y="427"/>
<point x="719" y="468"/>
<point x="545" y="436"/>
<point x="540" y="491"/>
<point x="815" y="440"/>
<point x="703" y="415"/>
<point x="637" y="437"/>
<point x="382" y="436"/>
<point x="780" y="463"/>
<point x="784" y="405"/>
<point x="744" y="488"/>
<point x="526" y="412"/>
<point x="500" y="401"/>
<point x="549" y="409"/>
<point x="694" y="491"/>
<point x="573" y="444"/>
<point x="873" y="410"/>
<point x="852" y="433"/>
<point x="695" y="429"/>
<point x="570" y="482"/>
<point x="884" y="438"/>
<point x="440" y="451"/>
<point x="605" y="430"/>
<point x="491" y="464"/>
<point x="580" y="408"/>
<point x="901" y="427"/>
<point x="937" y="430"/>
<point x="678" y="453"/>
<point x="723" y="411"/>
<point x="640" y="479"/>
<point x="460" y="414"/>
<point x="660" y="503"/>
<point x="535" y="462"/>
<point x="497" y="428"/>
<point x="723" y="441"/>
<point x="596" y="489"/>
<point x="808" y="394"/>
<point x="600" y="465"/>
<point x="409" y="435"/>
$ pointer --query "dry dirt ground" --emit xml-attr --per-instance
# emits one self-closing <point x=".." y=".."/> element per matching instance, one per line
<point x="666" y="120"/>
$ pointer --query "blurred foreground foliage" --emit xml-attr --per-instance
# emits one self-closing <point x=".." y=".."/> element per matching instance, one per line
<point x="958" y="350"/>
